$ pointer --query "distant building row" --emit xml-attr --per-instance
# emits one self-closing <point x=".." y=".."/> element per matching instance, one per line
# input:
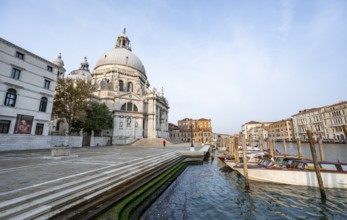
<point x="326" y="121"/>
<point x="198" y="130"/>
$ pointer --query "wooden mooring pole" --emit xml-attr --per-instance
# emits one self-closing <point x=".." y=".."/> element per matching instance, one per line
<point x="298" y="144"/>
<point x="231" y="148"/>
<point x="245" y="168"/>
<point x="236" y="149"/>
<point x="261" y="140"/>
<point x="271" y="148"/>
<point x="316" y="165"/>
<point x="285" y="147"/>
<point x="321" y="150"/>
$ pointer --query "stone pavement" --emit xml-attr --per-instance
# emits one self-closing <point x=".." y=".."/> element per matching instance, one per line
<point x="23" y="172"/>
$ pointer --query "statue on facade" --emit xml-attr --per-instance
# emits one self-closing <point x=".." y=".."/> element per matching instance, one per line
<point x="129" y="122"/>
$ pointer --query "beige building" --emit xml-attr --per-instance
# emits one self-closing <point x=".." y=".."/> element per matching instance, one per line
<point x="200" y="130"/>
<point x="282" y="130"/>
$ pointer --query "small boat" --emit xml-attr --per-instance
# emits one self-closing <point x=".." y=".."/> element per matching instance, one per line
<point x="253" y="155"/>
<point x="295" y="171"/>
<point x="252" y="158"/>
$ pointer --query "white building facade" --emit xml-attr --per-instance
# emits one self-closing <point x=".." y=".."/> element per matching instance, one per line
<point x="309" y="119"/>
<point x="121" y="83"/>
<point x="327" y="122"/>
<point x="255" y="130"/>
<point x="335" y="117"/>
<point x="27" y="85"/>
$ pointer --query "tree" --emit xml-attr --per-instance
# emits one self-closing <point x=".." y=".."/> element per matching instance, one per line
<point x="71" y="100"/>
<point x="99" y="117"/>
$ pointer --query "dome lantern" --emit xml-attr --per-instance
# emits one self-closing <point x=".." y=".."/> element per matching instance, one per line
<point x="123" y="41"/>
<point x="85" y="65"/>
<point x="81" y="73"/>
<point x="58" y="61"/>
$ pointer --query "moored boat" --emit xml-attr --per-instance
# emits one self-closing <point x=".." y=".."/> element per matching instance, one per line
<point x="297" y="172"/>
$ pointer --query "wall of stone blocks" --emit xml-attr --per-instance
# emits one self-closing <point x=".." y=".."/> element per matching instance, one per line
<point x="100" y="141"/>
<point x="27" y="142"/>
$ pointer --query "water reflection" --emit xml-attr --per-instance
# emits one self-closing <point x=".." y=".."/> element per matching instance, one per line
<point x="206" y="192"/>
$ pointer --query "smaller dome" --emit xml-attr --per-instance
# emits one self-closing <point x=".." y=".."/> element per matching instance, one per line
<point x="81" y="73"/>
<point x="58" y="61"/>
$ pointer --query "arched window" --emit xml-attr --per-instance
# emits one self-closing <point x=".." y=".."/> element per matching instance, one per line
<point x="11" y="97"/>
<point x="130" y="87"/>
<point x="121" y="85"/>
<point x="129" y="107"/>
<point x="43" y="104"/>
<point x="124" y="107"/>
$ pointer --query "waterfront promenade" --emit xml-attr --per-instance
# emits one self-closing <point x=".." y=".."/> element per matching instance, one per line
<point x="26" y="172"/>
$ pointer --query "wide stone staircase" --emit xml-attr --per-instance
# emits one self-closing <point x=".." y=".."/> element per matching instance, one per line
<point x="80" y="198"/>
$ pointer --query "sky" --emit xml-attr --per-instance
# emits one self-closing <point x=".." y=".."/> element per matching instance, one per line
<point x="231" y="61"/>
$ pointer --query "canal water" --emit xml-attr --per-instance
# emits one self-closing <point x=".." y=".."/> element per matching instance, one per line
<point x="210" y="191"/>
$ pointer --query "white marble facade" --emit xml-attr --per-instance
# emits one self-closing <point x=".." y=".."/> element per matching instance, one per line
<point x="121" y="82"/>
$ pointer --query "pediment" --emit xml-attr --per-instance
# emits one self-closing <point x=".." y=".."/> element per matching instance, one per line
<point x="131" y="96"/>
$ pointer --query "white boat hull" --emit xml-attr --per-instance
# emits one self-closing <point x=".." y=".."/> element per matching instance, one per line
<point x="230" y="163"/>
<point x="296" y="177"/>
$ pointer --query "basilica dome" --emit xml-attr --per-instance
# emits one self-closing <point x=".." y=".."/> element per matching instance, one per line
<point x="121" y="55"/>
<point x="81" y="73"/>
<point x="58" y="61"/>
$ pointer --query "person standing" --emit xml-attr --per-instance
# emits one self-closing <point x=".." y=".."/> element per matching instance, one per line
<point x="164" y="143"/>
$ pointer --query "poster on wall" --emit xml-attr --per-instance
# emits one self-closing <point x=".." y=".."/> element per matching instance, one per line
<point x="23" y="124"/>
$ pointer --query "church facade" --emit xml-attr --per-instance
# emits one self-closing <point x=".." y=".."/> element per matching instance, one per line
<point x="120" y="81"/>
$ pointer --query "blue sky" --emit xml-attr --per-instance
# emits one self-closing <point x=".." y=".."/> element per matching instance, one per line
<point x="231" y="61"/>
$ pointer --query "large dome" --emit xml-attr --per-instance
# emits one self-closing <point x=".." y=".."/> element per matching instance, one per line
<point x="121" y="56"/>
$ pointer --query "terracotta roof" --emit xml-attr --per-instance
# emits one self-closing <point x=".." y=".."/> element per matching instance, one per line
<point x="203" y="119"/>
<point x="307" y="111"/>
<point x="339" y="103"/>
<point x="253" y="122"/>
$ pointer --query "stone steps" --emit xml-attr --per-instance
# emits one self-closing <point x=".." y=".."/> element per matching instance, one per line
<point x="151" y="142"/>
<point x="50" y="202"/>
<point x="112" y="195"/>
<point x="23" y="199"/>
